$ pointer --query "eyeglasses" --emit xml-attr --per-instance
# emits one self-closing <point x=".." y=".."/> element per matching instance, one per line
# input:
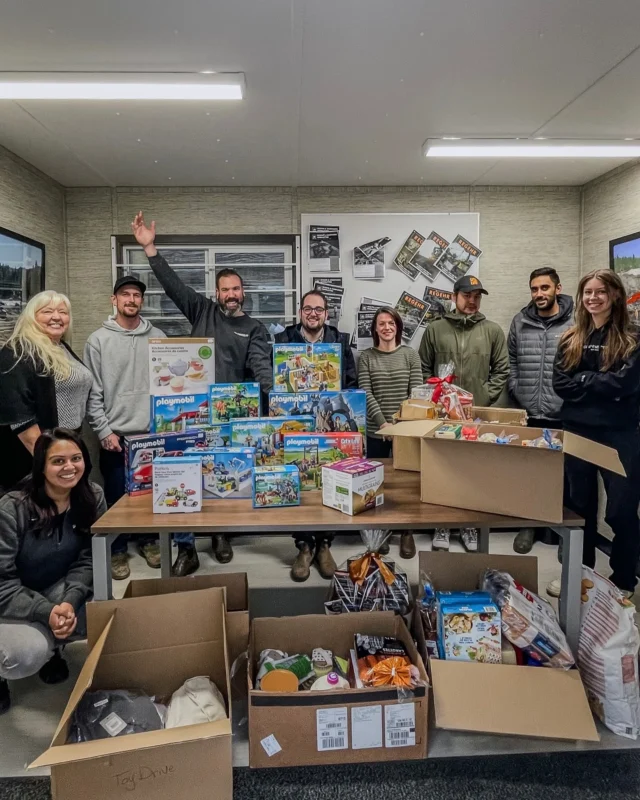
<point x="317" y="309"/>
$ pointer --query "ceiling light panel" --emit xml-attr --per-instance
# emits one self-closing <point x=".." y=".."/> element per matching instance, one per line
<point x="529" y="148"/>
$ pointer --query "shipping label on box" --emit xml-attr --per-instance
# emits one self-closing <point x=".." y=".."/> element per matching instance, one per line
<point x="181" y="366"/>
<point x="307" y="367"/>
<point x="266" y="434"/>
<point x="140" y="450"/>
<point x="353" y="486"/>
<point x="229" y="401"/>
<point x="335" y="412"/>
<point x="181" y="413"/>
<point x="310" y="452"/>
<point x="227" y="472"/>
<point x="177" y="484"/>
<point x="277" y="486"/>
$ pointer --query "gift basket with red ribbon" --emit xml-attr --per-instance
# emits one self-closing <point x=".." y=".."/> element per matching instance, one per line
<point x="453" y="402"/>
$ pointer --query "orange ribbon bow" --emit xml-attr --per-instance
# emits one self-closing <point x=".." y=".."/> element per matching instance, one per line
<point x="359" y="569"/>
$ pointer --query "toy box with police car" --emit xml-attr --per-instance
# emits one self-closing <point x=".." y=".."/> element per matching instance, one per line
<point x="276" y="486"/>
<point x="179" y="413"/>
<point x="140" y="450"/>
<point x="226" y="472"/>
<point x="311" y="451"/>
<point x="307" y="367"/>
<point x="230" y="401"/>
<point x="177" y="484"/>
<point x="335" y="412"/>
<point x="266" y="434"/>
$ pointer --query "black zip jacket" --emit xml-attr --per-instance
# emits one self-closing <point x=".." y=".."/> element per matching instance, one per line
<point x="332" y="335"/>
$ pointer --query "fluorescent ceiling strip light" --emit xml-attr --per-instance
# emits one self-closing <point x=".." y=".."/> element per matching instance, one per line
<point x="121" y="86"/>
<point x="512" y="148"/>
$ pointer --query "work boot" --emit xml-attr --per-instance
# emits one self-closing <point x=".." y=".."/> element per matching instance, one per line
<point x="186" y="562"/>
<point x="5" y="697"/>
<point x="222" y="549"/>
<point x="55" y="670"/>
<point x="407" y="545"/>
<point x="120" y="566"/>
<point x="150" y="551"/>
<point x="324" y="560"/>
<point x="300" y="570"/>
<point x="523" y="542"/>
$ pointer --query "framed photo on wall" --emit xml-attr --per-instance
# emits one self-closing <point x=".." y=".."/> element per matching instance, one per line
<point x="624" y="258"/>
<point x="21" y="276"/>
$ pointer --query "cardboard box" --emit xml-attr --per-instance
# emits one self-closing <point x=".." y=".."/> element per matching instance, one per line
<point x="181" y="413"/>
<point x="353" y="486"/>
<point x="299" y="367"/>
<point x="266" y="434"/>
<point x="140" y="450"/>
<point x="284" y="728"/>
<point x="277" y="486"/>
<point x="177" y="484"/>
<point x="129" y="649"/>
<point x="334" y="412"/>
<point x="499" y="698"/>
<point x="311" y="451"/>
<point x="181" y="365"/>
<point x="417" y="409"/>
<point x="503" y="416"/>
<point x="226" y="472"/>
<point x="234" y="401"/>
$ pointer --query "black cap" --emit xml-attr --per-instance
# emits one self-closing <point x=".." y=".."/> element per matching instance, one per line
<point x="468" y="283"/>
<point x="127" y="280"/>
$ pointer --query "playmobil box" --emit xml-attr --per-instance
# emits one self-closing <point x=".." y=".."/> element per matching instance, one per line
<point x="218" y="435"/>
<point x="353" y="486"/>
<point x="177" y="484"/>
<point x="277" y="486"/>
<point x="234" y="401"/>
<point x="307" y="367"/>
<point x="335" y="412"/>
<point x="181" y="365"/>
<point x="311" y="451"/>
<point x="266" y="434"/>
<point x="226" y="472"/>
<point x="140" y="450"/>
<point x="180" y="413"/>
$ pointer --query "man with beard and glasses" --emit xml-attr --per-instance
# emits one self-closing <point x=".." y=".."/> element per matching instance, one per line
<point x="243" y="350"/>
<point x="533" y="342"/>
<point x="118" y="356"/>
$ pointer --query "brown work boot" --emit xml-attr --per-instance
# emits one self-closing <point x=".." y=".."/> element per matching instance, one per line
<point x="300" y="570"/>
<point x="407" y="545"/>
<point x="186" y="562"/>
<point x="222" y="549"/>
<point x="324" y="560"/>
<point x="150" y="551"/>
<point x="120" y="566"/>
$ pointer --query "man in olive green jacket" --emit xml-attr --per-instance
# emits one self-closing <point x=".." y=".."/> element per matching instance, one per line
<point x="476" y="346"/>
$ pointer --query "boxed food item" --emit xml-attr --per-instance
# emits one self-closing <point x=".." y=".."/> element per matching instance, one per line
<point x="177" y="484"/>
<point x="181" y="365"/>
<point x="300" y="367"/>
<point x="276" y="486"/>
<point x="415" y="408"/>
<point x="230" y="401"/>
<point x="311" y="451"/>
<point x="218" y="435"/>
<point x="227" y="472"/>
<point x="335" y="412"/>
<point x="469" y="627"/>
<point x="267" y="434"/>
<point x="353" y="486"/>
<point x="140" y="450"/>
<point x="181" y="413"/>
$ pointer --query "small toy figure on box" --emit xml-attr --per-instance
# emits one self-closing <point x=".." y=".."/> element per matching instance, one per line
<point x="275" y="487"/>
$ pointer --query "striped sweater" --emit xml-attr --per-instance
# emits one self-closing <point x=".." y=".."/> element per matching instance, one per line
<point x="388" y="379"/>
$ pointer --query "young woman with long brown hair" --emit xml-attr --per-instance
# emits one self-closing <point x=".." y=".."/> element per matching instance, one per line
<point x="597" y="374"/>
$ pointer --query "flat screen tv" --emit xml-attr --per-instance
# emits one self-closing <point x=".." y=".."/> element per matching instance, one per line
<point x="21" y="276"/>
<point x="624" y="258"/>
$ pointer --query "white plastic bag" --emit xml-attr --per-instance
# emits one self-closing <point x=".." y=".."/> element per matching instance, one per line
<point x="608" y="654"/>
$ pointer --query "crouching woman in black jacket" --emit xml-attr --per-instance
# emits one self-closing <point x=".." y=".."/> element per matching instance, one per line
<point x="597" y="375"/>
<point x="45" y="560"/>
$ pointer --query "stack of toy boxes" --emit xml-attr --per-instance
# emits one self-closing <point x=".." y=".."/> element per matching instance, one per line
<point x="311" y="451"/>
<point x="334" y="412"/>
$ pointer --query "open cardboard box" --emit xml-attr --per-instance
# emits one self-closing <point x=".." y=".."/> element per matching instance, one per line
<point x="500" y="416"/>
<point x="496" y="478"/>
<point x="153" y="644"/>
<point x="499" y="698"/>
<point x="285" y="728"/>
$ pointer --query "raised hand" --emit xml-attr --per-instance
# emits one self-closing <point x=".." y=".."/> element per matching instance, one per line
<point x="145" y="235"/>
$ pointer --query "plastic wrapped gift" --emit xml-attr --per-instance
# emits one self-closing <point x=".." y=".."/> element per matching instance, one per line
<point x="370" y="582"/>
<point x="453" y="401"/>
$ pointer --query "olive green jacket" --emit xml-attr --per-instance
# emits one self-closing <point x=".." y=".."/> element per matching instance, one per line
<point x="477" y="348"/>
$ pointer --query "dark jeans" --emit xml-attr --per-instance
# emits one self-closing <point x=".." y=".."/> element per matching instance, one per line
<point x="378" y="448"/>
<point x="623" y="497"/>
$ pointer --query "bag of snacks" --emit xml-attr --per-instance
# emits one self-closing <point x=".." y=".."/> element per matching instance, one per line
<point x="384" y="661"/>
<point x="608" y="654"/>
<point x="528" y="621"/>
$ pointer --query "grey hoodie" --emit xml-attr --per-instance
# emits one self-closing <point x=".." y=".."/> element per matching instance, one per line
<point x="119" y="362"/>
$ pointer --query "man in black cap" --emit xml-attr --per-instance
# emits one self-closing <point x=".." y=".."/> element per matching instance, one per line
<point x="118" y="356"/>
<point x="478" y="350"/>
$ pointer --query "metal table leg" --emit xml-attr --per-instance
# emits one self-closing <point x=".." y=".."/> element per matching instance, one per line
<point x="571" y="579"/>
<point x="483" y="540"/>
<point x="165" y="554"/>
<point x="101" y="558"/>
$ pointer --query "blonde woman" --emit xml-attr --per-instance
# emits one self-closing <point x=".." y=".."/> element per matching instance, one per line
<point x="43" y="384"/>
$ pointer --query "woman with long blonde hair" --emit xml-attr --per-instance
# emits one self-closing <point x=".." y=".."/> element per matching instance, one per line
<point x="43" y="384"/>
<point x="597" y="375"/>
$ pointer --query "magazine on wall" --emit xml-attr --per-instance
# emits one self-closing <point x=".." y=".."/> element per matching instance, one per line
<point x="407" y="252"/>
<point x="368" y="267"/>
<point x="324" y="248"/>
<point x="458" y="258"/>
<point x="437" y="303"/>
<point x="411" y="310"/>
<point x="364" y="339"/>
<point x="425" y="259"/>
<point x="369" y="248"/>
<point x="333" y="290"/>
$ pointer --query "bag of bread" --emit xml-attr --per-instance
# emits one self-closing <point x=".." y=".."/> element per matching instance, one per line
<point x="608" y="654"/>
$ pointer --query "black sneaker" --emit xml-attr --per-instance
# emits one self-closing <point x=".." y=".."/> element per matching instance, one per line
<point x="55" y="670"/>
<point x="5" y="697"/>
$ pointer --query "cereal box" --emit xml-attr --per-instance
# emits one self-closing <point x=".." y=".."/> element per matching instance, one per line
<point x="469" y="628"/>
<point x="275" y="487"/>
<point x="229" y="401"/>
<point x="266" y="434"/>
<point x="181" y="365"/>
<point x="353" y="486"/>
<point x="226" y="472"/>
<point x="140" y="450"/>
<point x="311" y="451"/>
<point x="335" y="412"/>
<point x="177" y="484"/>
<point x="180" y="413"/>
<point x="307" y="367"/>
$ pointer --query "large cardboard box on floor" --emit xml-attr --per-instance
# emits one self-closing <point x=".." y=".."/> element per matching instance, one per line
<point x="499" y="698"/>
<point x="360" y="725"/>
<point x="509" y="479"/>
<point x="153" y="644"/>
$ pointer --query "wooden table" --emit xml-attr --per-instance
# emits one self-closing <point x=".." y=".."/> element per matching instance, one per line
<point x="402" y="510"/>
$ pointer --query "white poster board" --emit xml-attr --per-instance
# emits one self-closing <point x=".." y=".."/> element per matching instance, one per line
<point x="358" y="229"/>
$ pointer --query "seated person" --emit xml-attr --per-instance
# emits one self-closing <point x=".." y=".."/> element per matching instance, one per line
<point x="45" y="560"/>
